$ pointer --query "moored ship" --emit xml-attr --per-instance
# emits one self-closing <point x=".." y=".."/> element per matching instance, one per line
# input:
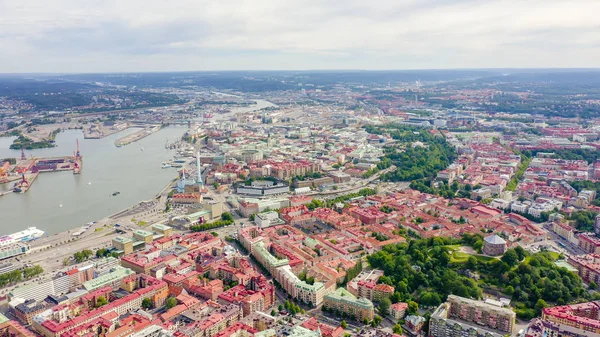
<point x="27" y="235"/>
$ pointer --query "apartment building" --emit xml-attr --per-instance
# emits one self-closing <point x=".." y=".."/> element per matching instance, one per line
<point x="343" y="301"/>
<point x="588" y="266"/>
<point x="589" y="243"/>
<point x="461" y="316"/>
<point x="373" y="291"/>
<point x="577" y="320"/>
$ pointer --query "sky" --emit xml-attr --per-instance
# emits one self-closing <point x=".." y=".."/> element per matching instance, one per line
<point x="180" y="35"/>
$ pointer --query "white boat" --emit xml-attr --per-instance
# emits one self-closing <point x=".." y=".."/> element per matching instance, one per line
<point x="166" y="165"/>
<point x="29" y="234"/>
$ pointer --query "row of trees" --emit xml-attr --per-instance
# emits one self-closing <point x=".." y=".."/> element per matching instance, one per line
<point x="83" y="255"/>
<point x="293" y="308"/>
<point x="448" y="191"/>
<point x="588" y="155"/>
<point x="16" y="276"/>
<point x="365" y="192"/>
<point x="512" y="184"/>
<point x="103" y="252"/>
<point x="226" y="220"/>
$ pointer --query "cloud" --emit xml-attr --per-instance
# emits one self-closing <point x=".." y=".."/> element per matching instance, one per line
<point x="151" y="35"/>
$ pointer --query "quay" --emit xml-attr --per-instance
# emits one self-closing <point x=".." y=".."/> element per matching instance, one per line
<point x="99" y="130"/>
<point x="134" y="137"/>
<point x="24" y="171"/>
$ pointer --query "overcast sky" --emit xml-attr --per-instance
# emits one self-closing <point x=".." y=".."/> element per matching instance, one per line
<point x="174" y="35"/>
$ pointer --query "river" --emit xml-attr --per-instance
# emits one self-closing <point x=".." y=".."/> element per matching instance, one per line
<point x="59" y="201"/>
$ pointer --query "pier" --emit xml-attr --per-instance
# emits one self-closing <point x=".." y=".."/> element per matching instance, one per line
<point x="134" y="137"/>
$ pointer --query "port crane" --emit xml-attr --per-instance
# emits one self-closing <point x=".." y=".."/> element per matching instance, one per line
<point x="23" y="181"/>
<point x="78" y="154"/>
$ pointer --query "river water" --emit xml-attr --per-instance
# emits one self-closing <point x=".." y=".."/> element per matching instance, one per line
<point x="59" y="201"/>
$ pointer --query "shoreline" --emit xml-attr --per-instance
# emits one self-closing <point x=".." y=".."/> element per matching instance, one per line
<point x="136" y="136"/>
<point x="98" y="171"/>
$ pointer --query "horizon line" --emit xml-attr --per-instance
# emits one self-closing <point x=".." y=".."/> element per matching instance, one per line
<point x="305" y="70"/>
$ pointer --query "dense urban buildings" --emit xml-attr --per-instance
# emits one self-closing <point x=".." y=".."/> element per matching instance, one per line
<point x="307" y="204"/>
<point x="575" y="320"/>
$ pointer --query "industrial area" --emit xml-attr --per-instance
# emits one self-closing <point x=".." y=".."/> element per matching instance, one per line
<point x="17" y="175"/>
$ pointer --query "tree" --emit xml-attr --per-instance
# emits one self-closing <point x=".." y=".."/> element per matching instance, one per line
<point x="593" y="285"/>
<point x="522" y="253"/>
<point x="509" y="290"/>
<point x="539" y="305"/>
<point x="82" y="255"/>
<point x="397" y="329"/>
<point x="510" y="257"/>
<point x="226" y="216"/>
<point x="101" y="301"/>
<point x="280" y="307"/>
<point x="344" y="325"/>
<point x="365" y="321"/>
<point x="101" y="252"/>
<point x="170" y="303"/>
<point x="384" y="306"/>
<point x="273" y="313"/>
<point x="32" y="272"/>
<point x="430" y="299"/>
<point x="396" y="297"/>
<point x="146" y="303"/>
<point x="471" y="263"/>
<point x="413" y="307"/>
<point x="376" y="320"/>
<point x="477" y="245"/>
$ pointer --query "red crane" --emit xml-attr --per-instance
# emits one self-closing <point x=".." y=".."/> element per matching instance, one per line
<point x="23" y="180"/>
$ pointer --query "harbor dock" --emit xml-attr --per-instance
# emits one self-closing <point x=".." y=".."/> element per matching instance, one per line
<point x="21" y="174"/>
<point x="134" y="137"/>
